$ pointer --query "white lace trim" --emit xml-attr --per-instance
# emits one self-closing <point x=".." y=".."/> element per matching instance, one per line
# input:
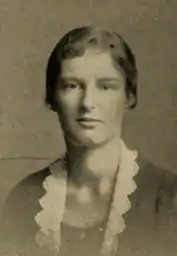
<point x="53" y="204"/>
<point x="125" y="185"/>
<point x="49" y="219"/>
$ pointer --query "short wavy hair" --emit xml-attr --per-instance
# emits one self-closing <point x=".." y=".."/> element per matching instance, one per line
<point x="76" y="42"/>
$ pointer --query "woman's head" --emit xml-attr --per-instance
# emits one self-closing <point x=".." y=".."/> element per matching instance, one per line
<point x="91" y="74"/>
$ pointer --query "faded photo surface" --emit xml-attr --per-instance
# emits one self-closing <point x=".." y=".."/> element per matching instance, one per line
<point x="88" y="154"/>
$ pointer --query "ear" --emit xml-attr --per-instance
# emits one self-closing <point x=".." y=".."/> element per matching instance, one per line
<point x="130" y="102"/>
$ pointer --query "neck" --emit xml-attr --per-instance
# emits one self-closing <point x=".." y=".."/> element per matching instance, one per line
<point x="89" y="166"/>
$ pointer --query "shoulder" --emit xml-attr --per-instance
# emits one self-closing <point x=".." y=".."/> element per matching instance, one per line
<point x="152" y="173"/>
<point x="22" y="203"/>
<point x="158" y="189"/>
<point x="29" y="187"/>
<point x="29" y="190"/>
<point x="26" y="191"/>
<point x="17" y="220"/>
<point x="21" y="206"/>
<point x="32" y="185"/>
<point x="163" y="182"/>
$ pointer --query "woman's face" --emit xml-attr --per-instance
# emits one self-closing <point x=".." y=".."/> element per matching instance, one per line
<point x="91" y="98"/>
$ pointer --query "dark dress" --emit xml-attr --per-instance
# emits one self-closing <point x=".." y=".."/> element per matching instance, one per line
<point x="151" y="223"/>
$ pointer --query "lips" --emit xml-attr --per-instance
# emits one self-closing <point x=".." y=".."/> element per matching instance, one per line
<point x="88" y="122"/>
<point x="87" y="119"/>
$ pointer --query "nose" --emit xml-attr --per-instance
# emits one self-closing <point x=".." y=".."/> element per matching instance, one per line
<point x="88" y="99"/>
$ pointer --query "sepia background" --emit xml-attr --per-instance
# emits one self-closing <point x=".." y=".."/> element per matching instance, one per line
<point x="28" y="32"/>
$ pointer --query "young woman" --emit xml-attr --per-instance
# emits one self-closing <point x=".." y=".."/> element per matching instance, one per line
<point x="100" y="198"/>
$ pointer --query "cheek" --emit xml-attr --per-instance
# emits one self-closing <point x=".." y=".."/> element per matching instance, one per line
<point x="115" y="108"/>
<point x="68" y="105"/>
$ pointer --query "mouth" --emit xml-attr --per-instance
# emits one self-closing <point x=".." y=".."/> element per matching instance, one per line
<point x="88" y="122"/>
<point x="87" y="119"/>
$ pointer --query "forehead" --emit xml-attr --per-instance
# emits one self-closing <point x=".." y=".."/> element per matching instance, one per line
<point x="89" y="65"/>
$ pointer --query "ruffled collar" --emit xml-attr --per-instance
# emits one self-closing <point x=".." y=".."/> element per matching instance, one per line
<point x="49" y="219"/>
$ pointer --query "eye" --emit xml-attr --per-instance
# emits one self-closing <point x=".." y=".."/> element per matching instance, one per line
<point x="107" y="86"/>
<point x="112" y="84"/>
<point x="69" y="85"/>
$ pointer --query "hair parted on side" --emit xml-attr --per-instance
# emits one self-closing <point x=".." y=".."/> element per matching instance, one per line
<point x="76" y="42"/>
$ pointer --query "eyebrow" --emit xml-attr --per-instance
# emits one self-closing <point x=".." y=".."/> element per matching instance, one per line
<point x="109" y="79"/>
<point x="102" y="79"/>
<point x="63" y="78"/>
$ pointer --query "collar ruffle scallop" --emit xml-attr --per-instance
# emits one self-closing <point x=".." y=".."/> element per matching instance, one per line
<point x="49" y="219"/>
